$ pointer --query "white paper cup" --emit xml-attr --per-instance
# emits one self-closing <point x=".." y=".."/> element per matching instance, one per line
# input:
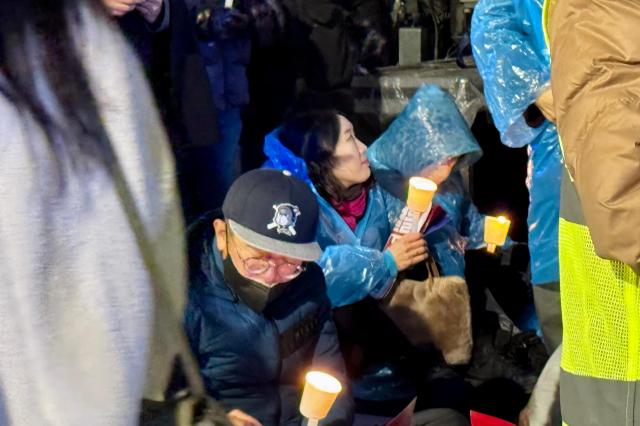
<point x="320" y="392"/>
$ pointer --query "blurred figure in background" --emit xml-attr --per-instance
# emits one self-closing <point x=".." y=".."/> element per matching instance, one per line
<point x="163" y="33"/>
<point x="76" y="305"/>
<point x="324" y="44"/>
<point x="226" y="37"/>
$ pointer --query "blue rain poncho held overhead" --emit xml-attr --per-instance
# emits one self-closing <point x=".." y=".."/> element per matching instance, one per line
<point x="353" y="261"/>
<point x="429" y="131"/>
<point x="510" y="52"/>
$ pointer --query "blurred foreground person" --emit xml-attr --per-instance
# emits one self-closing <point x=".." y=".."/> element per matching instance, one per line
<point x="76" y="297"/>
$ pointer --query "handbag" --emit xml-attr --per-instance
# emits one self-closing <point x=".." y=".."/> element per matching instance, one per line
<point x="190" y="405"/>
<point x="435" y="311"/>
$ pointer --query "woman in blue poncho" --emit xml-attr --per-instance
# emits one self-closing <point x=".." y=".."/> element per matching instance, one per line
<point x="356" y="215"/>
<point x="356" y="219"/>
<point x="430" y="138"/>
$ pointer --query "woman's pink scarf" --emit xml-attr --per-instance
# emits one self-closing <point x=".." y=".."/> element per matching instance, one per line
<point x="352" y="210"/>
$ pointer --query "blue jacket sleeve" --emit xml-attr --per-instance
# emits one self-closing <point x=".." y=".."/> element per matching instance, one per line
<point x="513" y="70"/>
<point x="372" y="271"/>
<point x="327" y="357"/>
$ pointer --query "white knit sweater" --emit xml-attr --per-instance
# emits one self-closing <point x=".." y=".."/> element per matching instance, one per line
<point x="76" y="310"/>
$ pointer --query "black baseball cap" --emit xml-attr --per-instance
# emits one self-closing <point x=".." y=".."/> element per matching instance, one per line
<point x="275" y="212"/>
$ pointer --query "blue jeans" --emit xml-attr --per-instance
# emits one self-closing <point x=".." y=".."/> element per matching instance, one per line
<point x="207" y="172"/>
<point x="227" y="150"/>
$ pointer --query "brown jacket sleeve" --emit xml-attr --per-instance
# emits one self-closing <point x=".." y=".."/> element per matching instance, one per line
<point x="595" y="77"/>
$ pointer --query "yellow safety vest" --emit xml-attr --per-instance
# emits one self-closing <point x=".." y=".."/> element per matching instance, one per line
<point x="600" y="376"/>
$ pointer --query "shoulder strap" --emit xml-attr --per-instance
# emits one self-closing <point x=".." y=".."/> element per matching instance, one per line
<point x="432" y="266"/>
<point x="167" y="321"/>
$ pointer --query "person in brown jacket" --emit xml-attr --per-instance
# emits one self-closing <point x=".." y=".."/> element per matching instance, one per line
<point x="595" y="78"/>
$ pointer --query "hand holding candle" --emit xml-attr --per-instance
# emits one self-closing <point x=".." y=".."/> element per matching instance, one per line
<point x="495" y="231"/>
<point x="320" y="392"/>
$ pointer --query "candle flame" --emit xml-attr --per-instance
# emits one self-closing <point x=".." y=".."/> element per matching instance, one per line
<point x="324" y="382"/>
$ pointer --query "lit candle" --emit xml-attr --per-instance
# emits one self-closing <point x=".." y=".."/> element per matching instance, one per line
<point x="320" y="392"/>
<point x="495" y="231"/>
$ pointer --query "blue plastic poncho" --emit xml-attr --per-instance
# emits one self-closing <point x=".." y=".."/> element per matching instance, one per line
<point x="509" y="49"/>
<point x="354" y="263"/>
<point x="429" y="131"/>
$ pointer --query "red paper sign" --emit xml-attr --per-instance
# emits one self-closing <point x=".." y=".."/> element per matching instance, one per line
<point x="479" y="419"/>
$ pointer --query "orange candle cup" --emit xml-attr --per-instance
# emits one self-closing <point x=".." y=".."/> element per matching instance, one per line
<point x="320" y="392"/>
<point x="495" y="231"/>
<point x="421" y="192"/>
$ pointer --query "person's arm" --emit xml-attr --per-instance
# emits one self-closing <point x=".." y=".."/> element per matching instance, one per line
<point x="595" y="50"/>
<point x="193" y="327"/>
<point x="119" y="8"/>
<point x="473" y="224"/>
<point x="462" y="212"/>
<point x="513" y="72"/>
<point x="354" y="272"/>
<point x="156" y="13"/>
<point x="328" y="358"/>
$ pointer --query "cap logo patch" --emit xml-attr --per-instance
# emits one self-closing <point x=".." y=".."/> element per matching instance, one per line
<point x="284" y="219"/>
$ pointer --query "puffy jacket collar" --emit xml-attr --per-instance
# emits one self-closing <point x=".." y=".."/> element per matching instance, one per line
<point x="205" y="260"/>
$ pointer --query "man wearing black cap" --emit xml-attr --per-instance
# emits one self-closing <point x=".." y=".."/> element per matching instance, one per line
<point x="258" y="316"/>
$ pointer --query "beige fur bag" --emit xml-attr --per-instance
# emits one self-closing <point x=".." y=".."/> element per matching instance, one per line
<point x="436" y="310"/>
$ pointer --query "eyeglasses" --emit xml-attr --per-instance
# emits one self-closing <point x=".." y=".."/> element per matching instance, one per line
<point x="257" y="266"/>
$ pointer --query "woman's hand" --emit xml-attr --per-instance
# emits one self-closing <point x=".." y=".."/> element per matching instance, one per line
<point x="120" y="7"/>
<point x="409" y="250"/>
<point x="239" y="418"/>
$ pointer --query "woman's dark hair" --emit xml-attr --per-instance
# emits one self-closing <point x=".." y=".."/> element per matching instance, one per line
<point x="313" y="136"/>
<point x="36" y="42"/>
